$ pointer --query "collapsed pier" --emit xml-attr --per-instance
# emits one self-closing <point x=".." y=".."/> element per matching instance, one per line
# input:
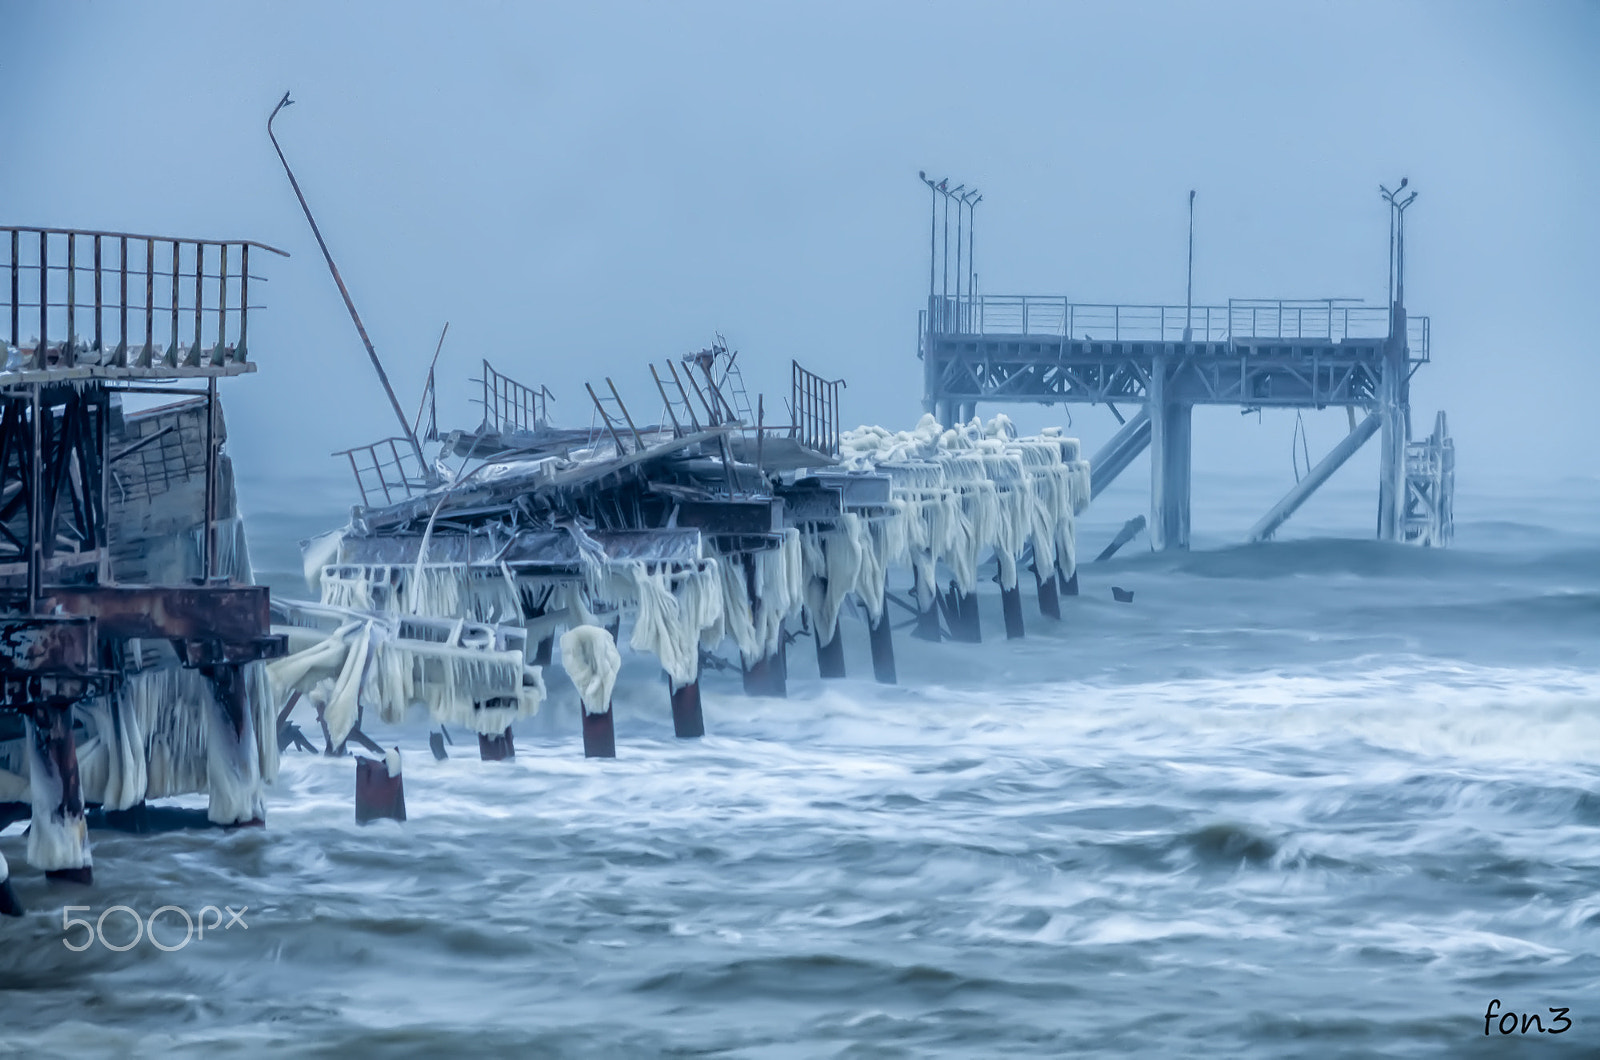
<point x="705" y="531"/>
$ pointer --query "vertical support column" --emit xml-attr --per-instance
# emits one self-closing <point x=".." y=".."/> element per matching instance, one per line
<point x="233" y="764"/>
<point x="1392" y="442"/>
<point x="830" y="654"/>
<point x="1011" y="609"/>
<point x="1170" y="422"/>
<point x="599" y="734"/>
<point x="380" y="789"/>
<point x="10" y="904"/>
<point x="768" y="676"/>
<point x="1049" y="598"/>
<point x="927" y="617"/>
<point x="58" y="838"/>
<point x="35" y="488"/>
<point x="496" y="748"/>
<point x="688" y="721"/>
<point x="961" y="615"/>
<point x="882" y="637"/>
<point x="208" y="557"/>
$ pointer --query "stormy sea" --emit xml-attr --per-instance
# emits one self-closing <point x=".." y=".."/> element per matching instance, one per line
<point x="1317" y="798"/>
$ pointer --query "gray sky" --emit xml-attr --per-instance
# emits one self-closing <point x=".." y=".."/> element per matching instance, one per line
<point x="580" y="189"/>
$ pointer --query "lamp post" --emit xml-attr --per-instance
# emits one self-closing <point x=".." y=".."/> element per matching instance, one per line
<point x="383" y="377"/>
<point x="933" y="237"/>
<point x="1397" y="243"/>
<point x="970" y="201"/>
<point x="955" y="193"/>
<point x="1188" y="297"/>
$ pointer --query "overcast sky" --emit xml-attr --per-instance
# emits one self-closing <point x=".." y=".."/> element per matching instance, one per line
<point x="582" y="188"/>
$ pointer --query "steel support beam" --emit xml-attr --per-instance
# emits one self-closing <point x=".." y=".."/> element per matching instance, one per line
<point x="1115" y="456"/>
<point x="1335" y="459"/>
<point x="1170" y="421"/>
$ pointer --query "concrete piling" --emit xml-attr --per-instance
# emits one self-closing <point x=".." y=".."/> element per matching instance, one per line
<point x="492" y="748"/>
<point x="380" y="789"/>
<point x="1011" y="609"/>
<point x="882" y="636"/>
<point x="599" y="734"/>
<point x="830" y="654"/>
<point x="688" y="721"/>
<point x="1049" y="598"/>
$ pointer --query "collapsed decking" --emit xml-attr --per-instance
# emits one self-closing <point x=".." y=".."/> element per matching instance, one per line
<point x="130" y="635"/>
<point x="450" y="592"/>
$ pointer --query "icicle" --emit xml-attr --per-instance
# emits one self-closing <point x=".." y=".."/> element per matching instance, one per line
<point x="55" y="841"/>
<point x="233" y="766"/>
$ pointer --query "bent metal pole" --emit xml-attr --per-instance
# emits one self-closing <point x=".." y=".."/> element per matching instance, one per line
<point x="383" y="377"/>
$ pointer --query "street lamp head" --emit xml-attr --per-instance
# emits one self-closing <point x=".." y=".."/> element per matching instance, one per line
<point x="1404" y="181"/>
<point x="922" y="174"/>
<point x="284" y="102"/>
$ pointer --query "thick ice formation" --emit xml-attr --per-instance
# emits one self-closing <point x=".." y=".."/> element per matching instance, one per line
<point x="365" y="664"/>
<point x="56" y="840"/>
<point x="591" y="659"/>
<point x="961" y="492"/>
<point x="164" y="733"/>
<point x="956" y="495"/>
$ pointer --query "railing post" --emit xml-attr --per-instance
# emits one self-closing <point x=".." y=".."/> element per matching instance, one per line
<point x="1024" y="315"/>
<point x="149" y="302"/>
<point x="122" y="310"/>
<point x="70" y="351"/>
<point x="44" y="300"/>
<point x="199" y="299"/>
<point x="98" y="333"/>
<point x="222" y="308"/>
<point x="16" y="320"/>
<point x="244" y="299"/>
<point x="171" y="355"/>
<point x="1116" y="325"/>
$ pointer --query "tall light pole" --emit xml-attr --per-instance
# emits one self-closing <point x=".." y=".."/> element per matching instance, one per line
<point x="383" y="377"/>
<point x="970" y="201"/>
<point x="955" y="193"/>
<point x="933" y="237"/>
<point x="1188" y="296"/>
<point x="944" y="189"/>
<point x="1397" y="242"/>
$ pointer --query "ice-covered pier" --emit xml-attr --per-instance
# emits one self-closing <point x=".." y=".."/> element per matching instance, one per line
<point x="705" y="531"/>
<point x="131" y="639"/>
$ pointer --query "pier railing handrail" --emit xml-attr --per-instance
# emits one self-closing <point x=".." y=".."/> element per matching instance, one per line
<point x="814" y="406"/>
<point x="388" y="466"/>
<point x="1240" y="320"/>
<point x="77" y="287"/>
<point x="509" y="405"/>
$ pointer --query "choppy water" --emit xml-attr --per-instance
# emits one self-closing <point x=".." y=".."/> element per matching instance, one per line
<point x="1321" y="798"/>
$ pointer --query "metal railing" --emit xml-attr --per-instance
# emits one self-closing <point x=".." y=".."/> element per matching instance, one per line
<point x="509" y="405"/>
<point x="124" y="299"/>
<point x="389" y="467"/>
<point x="814" y="402"/>
<point x="1242" y="319"/>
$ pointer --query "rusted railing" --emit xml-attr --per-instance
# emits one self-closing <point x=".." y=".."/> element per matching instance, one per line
<point x="509" y="405"/>
<point x="389" y="467"/>
<point x="815" y="404"/>
<point x="124" y="299"/>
